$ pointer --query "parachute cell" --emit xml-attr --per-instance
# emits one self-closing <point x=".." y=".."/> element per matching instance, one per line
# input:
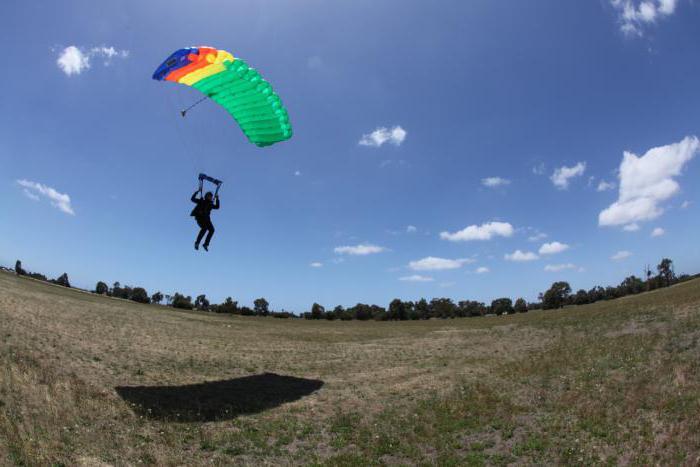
<point x="234" y="85"/>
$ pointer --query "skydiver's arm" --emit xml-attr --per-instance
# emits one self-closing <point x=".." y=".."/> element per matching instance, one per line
<point x="216" y="202"/>
<point x="194" y="197"/>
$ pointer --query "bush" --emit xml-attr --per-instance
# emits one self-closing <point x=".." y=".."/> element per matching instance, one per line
<point x="139" y="294"/>
<point x="182" y="302"/>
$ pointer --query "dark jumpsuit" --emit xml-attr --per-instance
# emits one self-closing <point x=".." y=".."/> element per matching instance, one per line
<point x="201" y="214"/>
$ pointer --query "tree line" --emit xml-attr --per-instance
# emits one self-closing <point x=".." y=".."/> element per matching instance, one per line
<point x="557" y="296"/>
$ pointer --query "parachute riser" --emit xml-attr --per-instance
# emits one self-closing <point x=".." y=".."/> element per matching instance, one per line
<point x="184" y="112"/>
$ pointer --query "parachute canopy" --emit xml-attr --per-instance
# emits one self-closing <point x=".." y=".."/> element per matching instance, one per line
<point x="235" y="86"/>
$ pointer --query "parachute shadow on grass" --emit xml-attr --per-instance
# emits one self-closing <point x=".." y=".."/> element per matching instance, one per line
<point x="217" y="400"/>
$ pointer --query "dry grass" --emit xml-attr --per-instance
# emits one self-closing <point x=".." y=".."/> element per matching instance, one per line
<point x="91" y="380"/>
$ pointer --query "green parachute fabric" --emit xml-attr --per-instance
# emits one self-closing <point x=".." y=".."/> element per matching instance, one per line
<point x="235" y="86"/>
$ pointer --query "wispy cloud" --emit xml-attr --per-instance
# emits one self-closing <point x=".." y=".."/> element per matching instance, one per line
<point x="605" y="186"/>
<point x="559" y="267"/>
<point x="561" y="176"/>
<point x="620" y="255"/>
<point x="382" y="135"/>
<point x="416" y="278"/>
<point x="316" y="264"/>
<point x="35" y="190"/>
<point x="647" y="181"/>
<point x="482" y="270"/>
<point x="432" y="263"/>
<point x="635" y="15"/>
<point x="633" y="227"/>
<point x="73" y="60"/>
<point x="658" y="232"/>
<point x="521" y="256"/>
<point x="411" y="229"/>
<point x="362" y="249"/>
<point x="553" y="248"/>
<point x="537" y="237"/>
<point x="494" y="182"/>
<point x="485" y="231"/>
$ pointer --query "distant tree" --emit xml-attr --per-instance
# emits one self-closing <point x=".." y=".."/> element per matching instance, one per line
<point x="556" y="296"/>
<point x="201" y="303"/>
<point x="229" y="306"/>
<point x="121" y="292"/>
<point x="502" y="306"/>
<point x="182" y="302"/>
<point x="36" y="275"/>
<point x="139" y="294"/>
<point x="520" y="306"/>
<point x="443" y="308"/>
<point x="168" y="299"/>
<point x="317" y="311"/>
<point x="631" y="285"/>
<point x="397" y="310"/>
<point x="581" y="297"/>
<point x="330" y="315"/>
<point x="423" y="309"/>
<point x="471" y="308"/>
<point x="157" y="297"/>
<point x="261" y="307"/>
<point x="666" y="274"/>
<point x="245" y="311"/>
<point x="18" y="268"/>
<point x="101" y="288"/>
<point x="62" y="280"/>
<point x="596" y="294"/>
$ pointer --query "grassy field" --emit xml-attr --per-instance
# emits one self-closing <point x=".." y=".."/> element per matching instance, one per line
<point x="88" y="380"/>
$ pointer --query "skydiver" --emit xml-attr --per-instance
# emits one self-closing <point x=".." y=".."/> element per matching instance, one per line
<point x="201" y="214"/>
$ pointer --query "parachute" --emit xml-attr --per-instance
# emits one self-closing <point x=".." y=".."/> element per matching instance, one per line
<point x="234" y="85"/>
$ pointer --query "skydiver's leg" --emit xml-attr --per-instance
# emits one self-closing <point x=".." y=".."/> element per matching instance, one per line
<point x="211" y="229"/>
<point x="203" y="226"/>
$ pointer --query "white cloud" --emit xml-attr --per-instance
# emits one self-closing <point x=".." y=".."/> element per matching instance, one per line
<point x="634" y="15"/>
<point x="519" y="256"/>
<point x="482" y="270"/>
<point x="562" y="175"/>
<point x="553" y="248"/>
<point x="620" y="255"/>
<point x="647" y="181"/>
<point x="605" y="186"/>
<point x="416" y="278"/>
<point x="539" y="169"/>
<point x="432" y="263"/>
<point x="685" y="204"/>
<point x="559" y="267"/>
<point x="494" y="182"/>
<point x="633" y="227"/>
<point x="484" y="231"/>
<point x="411" y="229"/>
<point x="60" y="201"/>
<point x="362" y="249"/>
<point x="658" y="232"/>
<point x="381" y="135"/>
<point x="73" y="60"/>
<point x="297" y="173"/>
<point x="537" y="237"/>
<point x="316" y="264"/>
<point x="30" y="195"/>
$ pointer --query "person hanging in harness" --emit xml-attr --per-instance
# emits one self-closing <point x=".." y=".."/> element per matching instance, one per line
<point x="202" y="211"/>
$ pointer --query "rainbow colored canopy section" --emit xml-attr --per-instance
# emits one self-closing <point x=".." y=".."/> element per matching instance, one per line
<point x="235" y="86"/>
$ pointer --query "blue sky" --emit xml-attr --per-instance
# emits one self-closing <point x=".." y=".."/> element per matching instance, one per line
<point x="501" y="120"/>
